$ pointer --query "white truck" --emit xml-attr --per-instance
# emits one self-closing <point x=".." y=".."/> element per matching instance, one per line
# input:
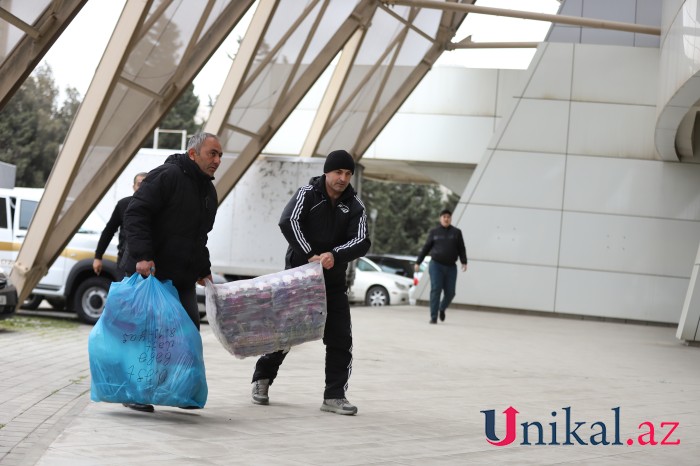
<point x="70" y="281"/>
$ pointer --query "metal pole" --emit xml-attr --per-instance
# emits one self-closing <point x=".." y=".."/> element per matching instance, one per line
<point x="468" y="44"/>
<point x="572" y="20"/>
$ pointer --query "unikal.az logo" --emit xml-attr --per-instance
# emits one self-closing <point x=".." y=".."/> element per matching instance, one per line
<point x="575" y="432"/>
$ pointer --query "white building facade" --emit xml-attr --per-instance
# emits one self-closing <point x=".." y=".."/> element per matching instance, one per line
<point x="575" y="205"/>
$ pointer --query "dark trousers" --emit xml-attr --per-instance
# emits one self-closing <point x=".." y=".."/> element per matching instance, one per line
<point x="442" y="278"/>
<point x="188" y="298"/>
<point x="337" y="336"/>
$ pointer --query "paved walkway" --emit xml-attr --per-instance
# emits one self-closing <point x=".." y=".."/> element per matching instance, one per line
<point x="420" y="390"/>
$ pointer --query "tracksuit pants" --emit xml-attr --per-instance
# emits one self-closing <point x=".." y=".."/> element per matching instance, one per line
<point x="337" y="337"/>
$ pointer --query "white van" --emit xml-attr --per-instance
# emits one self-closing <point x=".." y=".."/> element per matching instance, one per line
<point x="70" y="282"/>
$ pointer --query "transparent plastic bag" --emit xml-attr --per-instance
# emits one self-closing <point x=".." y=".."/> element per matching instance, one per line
<point x="145" y="349"/>
<point x="268" y="313"/>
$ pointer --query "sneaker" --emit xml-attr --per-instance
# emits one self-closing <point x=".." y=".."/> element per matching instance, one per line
<point x="442" y="316"/>
<point x="433" y="321"/>
<point x="338" y="406"/>
<point x="260" y="388"/>
<point x="140" y="407"/>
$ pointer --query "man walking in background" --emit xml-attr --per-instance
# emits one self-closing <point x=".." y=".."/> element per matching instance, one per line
<point x="116" y="222"/>
<point x="444" y="245"/>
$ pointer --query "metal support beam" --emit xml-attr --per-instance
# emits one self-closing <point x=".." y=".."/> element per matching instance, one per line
<point x="240" y="66"/>
<point x="34" y="256"/>
<point x="146" y="122"/>
<point x="445" y="34"/>
<point x="286" y="103"/>
<point x="330" y="98"/>
<point x="400" y="41"/>
<point x="19" y="24"/>
<point x="561" y="19"/>
<point x="29" y="51"/>
<point x="409" y="24"/>
<point x="467" y="43"/>
<point x="341" y="107"/>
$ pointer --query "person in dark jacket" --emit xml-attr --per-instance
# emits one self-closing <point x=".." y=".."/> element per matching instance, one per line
<point x="115" y="223"/>
<point x="325" y="222"/>
<point x="169" y="218"/>
<point x="445" y="245"/>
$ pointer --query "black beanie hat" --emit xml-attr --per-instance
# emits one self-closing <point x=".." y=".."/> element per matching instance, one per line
<point x="339" y="159"/>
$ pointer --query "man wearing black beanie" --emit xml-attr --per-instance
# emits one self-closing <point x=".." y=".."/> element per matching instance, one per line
<point x="325" y="222"/>
<point x="337" y="160"/>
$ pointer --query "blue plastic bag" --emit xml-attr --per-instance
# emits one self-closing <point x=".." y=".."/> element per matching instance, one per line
<point x="145" y="349"/>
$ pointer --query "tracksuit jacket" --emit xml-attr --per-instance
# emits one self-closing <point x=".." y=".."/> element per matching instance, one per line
<point x="312" y="225"/>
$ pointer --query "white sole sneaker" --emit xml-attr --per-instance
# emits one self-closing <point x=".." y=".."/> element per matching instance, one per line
<point x="260" y="401"/>
<point x="346" y="409"/>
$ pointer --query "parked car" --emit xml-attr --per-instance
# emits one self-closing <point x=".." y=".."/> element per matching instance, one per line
<point x="400" y="264"/>
<point x="416" y="279"/>
<point x="373" y="287"/>
<point x="394" y="263"/>
<point x="423" y="268"/>
<point x="70" y="281"/>
<point x="8" y="297"/>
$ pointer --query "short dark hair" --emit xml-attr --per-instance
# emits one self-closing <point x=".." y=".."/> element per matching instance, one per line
<point x="446" y="211"/>
<point x="140" y="174"/>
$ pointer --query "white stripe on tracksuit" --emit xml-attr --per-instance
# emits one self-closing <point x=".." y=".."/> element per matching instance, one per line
<point x="294" y="219"/>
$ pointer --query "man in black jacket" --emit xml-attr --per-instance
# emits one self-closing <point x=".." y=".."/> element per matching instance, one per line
<point x="115" y="223"/>
<point x="325" y="222"/>
<point x="169" y="218"/>
<point x="444" y="244"/>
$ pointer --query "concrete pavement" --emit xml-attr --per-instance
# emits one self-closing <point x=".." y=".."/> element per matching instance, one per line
<point x="424" y="392"/>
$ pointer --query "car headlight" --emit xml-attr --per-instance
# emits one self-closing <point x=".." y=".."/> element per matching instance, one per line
<point x="401" y="286"/>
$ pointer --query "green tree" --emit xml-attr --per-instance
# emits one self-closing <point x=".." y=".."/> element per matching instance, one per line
<point x="181" y="116"/>
<point x="405" y="213"/>
<point x="32" y="127"/>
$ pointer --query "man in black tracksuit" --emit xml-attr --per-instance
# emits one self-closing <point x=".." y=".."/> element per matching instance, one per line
<point x="324" y="222"/>
<point x="169" y="218"/>
<point x="445" y="245"/>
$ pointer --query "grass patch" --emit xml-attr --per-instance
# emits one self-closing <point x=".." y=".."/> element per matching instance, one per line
<point x="17" y="323"/>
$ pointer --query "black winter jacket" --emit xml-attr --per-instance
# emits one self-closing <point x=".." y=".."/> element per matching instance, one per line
<point x="169" y="218"/>
<point x="312" y="225"/>
<point x="115" y="223"/>
<point x="445" y="246"/>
